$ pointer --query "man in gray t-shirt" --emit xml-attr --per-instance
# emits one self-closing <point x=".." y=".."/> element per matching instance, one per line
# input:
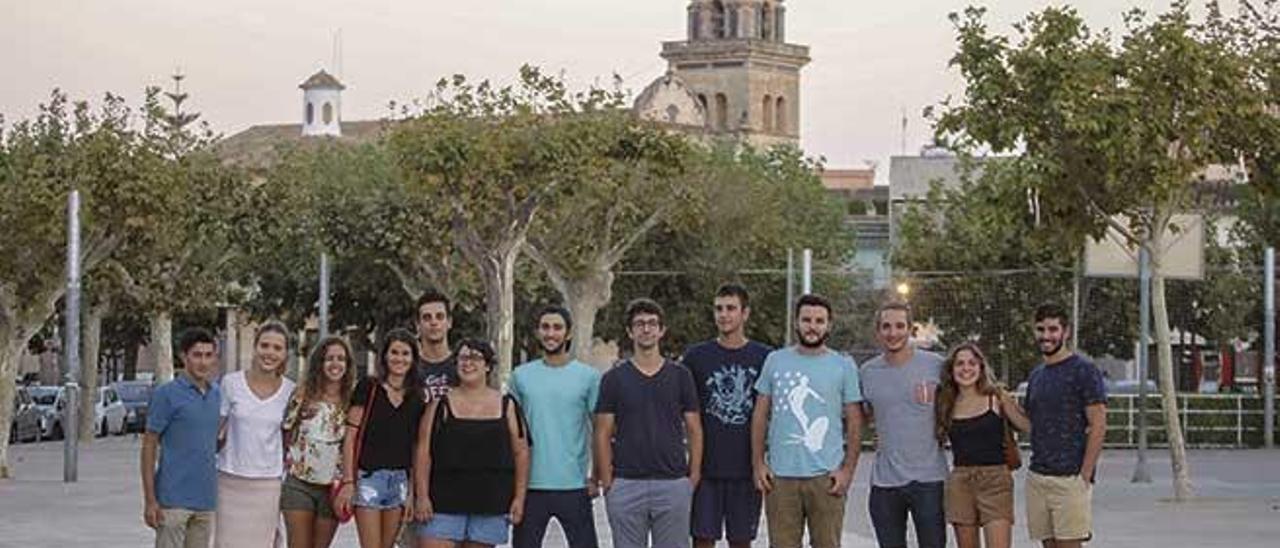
<point x="898" y="390"/>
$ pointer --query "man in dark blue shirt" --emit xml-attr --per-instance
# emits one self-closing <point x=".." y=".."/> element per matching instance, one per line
<point x="648" y="439"/>
<point x="724" y="370"/>
<point x="1067" y="405"/>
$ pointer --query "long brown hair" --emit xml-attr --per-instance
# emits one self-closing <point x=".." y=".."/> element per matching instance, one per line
<point x="312" y="385"/>
<point x="948" y="391"/>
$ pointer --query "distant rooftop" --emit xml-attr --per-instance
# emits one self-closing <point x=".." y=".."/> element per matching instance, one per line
<point x="259" y="146"/>
<point x="322" y="80"/>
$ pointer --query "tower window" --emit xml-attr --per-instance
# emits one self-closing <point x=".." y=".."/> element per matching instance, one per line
<point x="695" y="24"/>
<point x="327" y="115"/>
<point x="718" y="29"/>
<point x="311" y="113"/>
<point x="766" y="21"/>
<point x="722" y="111"/>
<point x="780" y="112"/>
<point x="767" y="108"/>
<point x="731" y="30"/>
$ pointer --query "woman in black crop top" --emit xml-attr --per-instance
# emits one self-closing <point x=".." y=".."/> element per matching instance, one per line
<point x="377" y="451"/>
<point x="971" y="414"/>
<point x="471" y="466"/>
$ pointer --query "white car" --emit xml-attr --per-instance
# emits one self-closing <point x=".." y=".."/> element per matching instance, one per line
<point x="109" y="411"/>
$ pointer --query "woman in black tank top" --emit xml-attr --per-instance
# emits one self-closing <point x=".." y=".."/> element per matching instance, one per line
<point x="972" y="414"/>
<point x="471" y="465"/>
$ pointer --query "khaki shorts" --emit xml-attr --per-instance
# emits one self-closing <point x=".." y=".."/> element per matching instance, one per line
<point x="1059" y="507"/>
<point x="296" y="494"/>
<point x="977" y="495"/>
<point x="795" y="502"/>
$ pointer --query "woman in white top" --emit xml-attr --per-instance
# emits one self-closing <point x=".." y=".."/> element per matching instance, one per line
<point x="251" y="458"/>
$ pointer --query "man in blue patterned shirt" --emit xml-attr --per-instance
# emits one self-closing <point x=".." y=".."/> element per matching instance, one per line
<point x="1067" y="404"/>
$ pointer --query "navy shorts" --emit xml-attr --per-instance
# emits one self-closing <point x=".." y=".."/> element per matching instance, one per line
<point x="727" y="509"/>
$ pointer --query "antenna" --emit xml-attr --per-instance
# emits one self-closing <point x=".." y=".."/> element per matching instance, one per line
<point x="904" y="132"/>
<point x="336" y="62"/>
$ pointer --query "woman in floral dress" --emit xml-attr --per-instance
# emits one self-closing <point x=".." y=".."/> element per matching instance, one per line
<point x="313" y="436"/>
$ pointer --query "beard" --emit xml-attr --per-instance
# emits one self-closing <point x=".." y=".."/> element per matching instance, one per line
<point x="1056" y="347"/>
<point x="555" y="350"/>
<point x="804" y="341"/>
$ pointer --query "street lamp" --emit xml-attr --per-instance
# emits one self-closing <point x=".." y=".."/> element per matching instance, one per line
<point x="904" y="290"/>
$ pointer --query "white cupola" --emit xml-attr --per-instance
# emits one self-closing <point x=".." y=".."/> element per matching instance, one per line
<point x="322" y="105"/>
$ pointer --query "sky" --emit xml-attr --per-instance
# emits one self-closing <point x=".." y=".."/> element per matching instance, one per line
<point x="874" y="62"/>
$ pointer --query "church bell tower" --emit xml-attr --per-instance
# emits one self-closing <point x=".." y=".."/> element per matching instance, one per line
<point x="746" y="77"/>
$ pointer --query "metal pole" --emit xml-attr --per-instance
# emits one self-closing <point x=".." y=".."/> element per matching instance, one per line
<point x="806" y="277"/>
<point x="71" y="344"/>
<point x="324" y="295"/>
<point x="1075" y="305"/>
<point x="1140" y="472"/>
<point x="791" y="298"/>
<point x="1269" y="352"/>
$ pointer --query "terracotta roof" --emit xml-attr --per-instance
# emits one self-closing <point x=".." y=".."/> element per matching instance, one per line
<point x="260" y="146"/>
<point x="322" y="79"/>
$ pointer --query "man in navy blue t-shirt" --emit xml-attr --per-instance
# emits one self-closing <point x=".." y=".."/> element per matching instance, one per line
<point x="648" y="439"/>
<point x="1067" y="404"/>
<point x="726" y="502"/>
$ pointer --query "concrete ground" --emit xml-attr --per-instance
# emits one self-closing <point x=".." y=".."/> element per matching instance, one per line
<point x="1237" y="504"/>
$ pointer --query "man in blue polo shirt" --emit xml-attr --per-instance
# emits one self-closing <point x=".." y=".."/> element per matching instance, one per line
<point x="182" y="421"/>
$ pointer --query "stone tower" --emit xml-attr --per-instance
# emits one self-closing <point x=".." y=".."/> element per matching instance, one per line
<point x="322" y="105"/>
<point x="743" y="73"/>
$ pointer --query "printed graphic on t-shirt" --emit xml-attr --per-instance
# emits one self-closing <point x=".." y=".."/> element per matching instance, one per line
<point x="437" y="385"/>
<point x="795" y="385"/>
<point x="729" y="394"/>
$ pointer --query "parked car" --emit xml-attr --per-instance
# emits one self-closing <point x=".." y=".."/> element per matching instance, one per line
<point x="108" y="411"/>
<point x="47" y="401"/>
<point x="25" y="425"/>
<point x="135" y="395"/>
<point x="1131" y="386"/>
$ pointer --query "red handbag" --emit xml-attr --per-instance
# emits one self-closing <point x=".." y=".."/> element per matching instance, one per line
<point x="339" y="513"/>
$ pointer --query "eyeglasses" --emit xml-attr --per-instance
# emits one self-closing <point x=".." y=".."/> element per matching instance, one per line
<point x="653" y="323"/>
<point x="471" y="357"/>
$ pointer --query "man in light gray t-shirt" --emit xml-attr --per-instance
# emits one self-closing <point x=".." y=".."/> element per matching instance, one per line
<point x="898" y="390"/>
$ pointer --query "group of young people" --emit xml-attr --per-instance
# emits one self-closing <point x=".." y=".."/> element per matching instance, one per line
<point x="425" y="452"/>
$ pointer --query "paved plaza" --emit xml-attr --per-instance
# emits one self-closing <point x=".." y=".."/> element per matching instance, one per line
<point x="1238" y="503"/>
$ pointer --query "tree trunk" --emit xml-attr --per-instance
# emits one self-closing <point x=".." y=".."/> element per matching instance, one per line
<point x="584" y="297"/>
<point x="10" y="355"/>
<point x="89" y="368"/>
<point x="162" y="345"/>
<point x="499" y="271"/>
<point x="1182" y="489"/>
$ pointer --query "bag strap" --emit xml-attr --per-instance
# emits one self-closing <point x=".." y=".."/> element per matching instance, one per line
<point x="522" y="427"/>
<point x="364" y="419"/>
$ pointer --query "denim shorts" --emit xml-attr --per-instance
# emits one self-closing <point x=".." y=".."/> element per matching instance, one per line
<point x="382" y="489"/>
<point x="478" y="528"/>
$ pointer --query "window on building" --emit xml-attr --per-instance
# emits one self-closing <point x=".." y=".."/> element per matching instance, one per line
<point x="311" y="113"/>
<point x="766" y="21"/>
<point x="722" y="111"/>
<point x="731" y="30"/>
<point x="327" y="115"/>
<point x="717" y="19"/>
<point x="780" y="116"/>
<point x="767" y="110"/>
<point x="706" y="112"/>
<point x="695" y="24"/>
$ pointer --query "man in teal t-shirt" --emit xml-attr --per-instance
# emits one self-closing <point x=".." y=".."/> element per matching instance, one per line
<point x="806" y="413"/>
<point x="558" y="395"/>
